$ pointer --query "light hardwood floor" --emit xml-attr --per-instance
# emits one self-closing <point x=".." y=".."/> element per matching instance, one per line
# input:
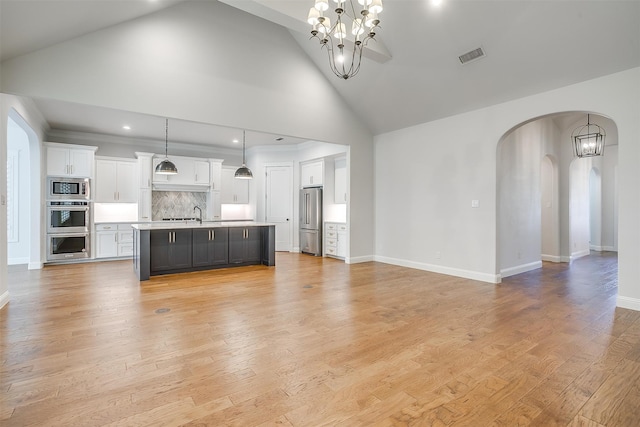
<point x="316" y="342"/>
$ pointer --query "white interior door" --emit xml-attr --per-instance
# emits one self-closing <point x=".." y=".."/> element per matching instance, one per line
<point x="279" y="204"/>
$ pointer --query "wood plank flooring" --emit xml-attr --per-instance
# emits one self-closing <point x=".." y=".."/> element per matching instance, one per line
<point x="316" y="342"/>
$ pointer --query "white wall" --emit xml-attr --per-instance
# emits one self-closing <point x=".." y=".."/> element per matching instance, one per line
<point x="188" y="62"/>
<point x="550" y="239"/>
<point x="21" y="109"/>
<point x="427" y="175"/>
<point x="18" y="144"/>
<point x="519" y="198"/>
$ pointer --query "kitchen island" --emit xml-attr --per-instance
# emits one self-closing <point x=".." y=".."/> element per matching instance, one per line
<point x="176" y="247"/>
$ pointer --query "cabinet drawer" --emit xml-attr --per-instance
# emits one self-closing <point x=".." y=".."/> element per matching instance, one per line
<point x="330" y="251"/>
<point x="342" y="227"/>
<point x="125" y="227"/>
<point x="331" y="226"/>
<point x="330" y="242"/>
<point x="125" y="236"/>
<point x="125" y="249"/>
<point x="331" y="235"/>
<point x="106" y="227"/>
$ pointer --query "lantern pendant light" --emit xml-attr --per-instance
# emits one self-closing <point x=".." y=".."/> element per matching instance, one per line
<point x="243" y="172"/>
<point x="166" y="167"/>
<point x="588" y="140"/>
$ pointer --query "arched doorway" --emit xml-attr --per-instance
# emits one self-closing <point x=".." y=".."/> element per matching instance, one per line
<point x="543" y="193"/>
<point x="26" y="187"/>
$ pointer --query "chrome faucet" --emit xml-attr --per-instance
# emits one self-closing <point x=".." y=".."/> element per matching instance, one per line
<point x="200" y="210"/>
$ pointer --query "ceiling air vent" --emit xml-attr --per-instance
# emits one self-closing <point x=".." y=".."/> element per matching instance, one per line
<point x="473" y="55"/>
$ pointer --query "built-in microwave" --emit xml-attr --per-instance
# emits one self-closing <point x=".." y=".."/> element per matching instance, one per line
<point x="68" y="188"/>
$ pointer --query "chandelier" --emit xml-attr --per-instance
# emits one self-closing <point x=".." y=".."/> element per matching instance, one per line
<point x="588" y="140"/>
<point x="363" y="22"/>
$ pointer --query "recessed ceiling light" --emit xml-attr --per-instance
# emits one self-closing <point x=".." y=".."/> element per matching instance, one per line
<point x="126" y="127"/>
<point x="436" y="3"/>
<point x="235" y="141"/>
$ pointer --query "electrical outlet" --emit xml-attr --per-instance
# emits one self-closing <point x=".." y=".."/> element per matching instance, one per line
<point x="475" y="203"/>
<point x="3" y="200"/>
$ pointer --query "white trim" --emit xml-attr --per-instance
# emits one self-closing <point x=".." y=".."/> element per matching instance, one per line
<point x="627" y="302"/>
<point x="523" y="268"/>
<point x="467" y="274"/>
<point x="579" y="254"/>
<point x="16" y="261"/>
<point x="295" y="250"/>
<point x="609" y="249"/>
<point x="35" y="265"/>
<point x="551" y="258"/>
<point x="565" y="259"/>
<point x="4" y="299"/>
<point x="595" y="248"/>
<point x="359" y="259"/>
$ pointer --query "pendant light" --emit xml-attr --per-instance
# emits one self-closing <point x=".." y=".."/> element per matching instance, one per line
<point x="588" y="140"/>
<point x="166" y="167"/>
<point x="243" y="172"/>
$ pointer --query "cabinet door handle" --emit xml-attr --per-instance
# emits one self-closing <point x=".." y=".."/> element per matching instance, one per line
<point x="71" y="167"/>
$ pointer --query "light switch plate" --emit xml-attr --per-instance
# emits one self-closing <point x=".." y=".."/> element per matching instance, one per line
<point x="475" y="203"/>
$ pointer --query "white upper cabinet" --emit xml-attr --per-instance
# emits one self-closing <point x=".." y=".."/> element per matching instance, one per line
<point x="202" y="172"/>
<point x="115" y="181"/>
<point x="192" y="172"/>
<point x="234" y="191"/>
<point x="145" y="165"/>
<point x="311" y="174"/>
<point x="67" y="160"/>
<point x="216" y="174"/>
<point x="340" y="174"/>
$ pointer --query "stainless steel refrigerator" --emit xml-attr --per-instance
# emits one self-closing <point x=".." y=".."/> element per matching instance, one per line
<point x="311" y="221"/>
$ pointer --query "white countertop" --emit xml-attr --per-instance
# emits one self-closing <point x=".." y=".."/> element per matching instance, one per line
<point x="172" y="225"/>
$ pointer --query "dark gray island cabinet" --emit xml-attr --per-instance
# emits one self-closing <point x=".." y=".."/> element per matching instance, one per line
<point x="174" y="248"/>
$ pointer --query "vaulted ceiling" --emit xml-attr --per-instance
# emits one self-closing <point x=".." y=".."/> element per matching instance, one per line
<point x="413" y="75"/>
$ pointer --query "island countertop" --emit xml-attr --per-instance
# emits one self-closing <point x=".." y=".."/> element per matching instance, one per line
<point x="172" y="225"/>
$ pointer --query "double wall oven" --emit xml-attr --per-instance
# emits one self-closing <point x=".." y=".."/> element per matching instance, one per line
<point x="68" y="219"/>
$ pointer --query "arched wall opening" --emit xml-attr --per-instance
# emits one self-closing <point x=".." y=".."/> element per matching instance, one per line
<point x="30" y="193"/>
<point x="543" y="193"/>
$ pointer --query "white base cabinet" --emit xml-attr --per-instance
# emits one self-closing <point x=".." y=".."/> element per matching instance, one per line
<point x="335" y="239"/>
<point x="114" y="240"/>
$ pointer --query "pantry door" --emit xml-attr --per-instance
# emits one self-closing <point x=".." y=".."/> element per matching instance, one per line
<point x="279" y="203"/>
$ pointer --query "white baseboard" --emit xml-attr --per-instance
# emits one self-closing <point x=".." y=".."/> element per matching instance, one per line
<point x="609" y="249"/>
<point x="17" y="261"/>
<point x="4" y="299"/>
<point x="523" y="268"/>
<point x="565" y="259"/>
<point x="579" y="254"/>
<point x="296" y="250"/>
<point x="627" y="302"/>
<point x="359" y="259"/>
<point x="551" y="258"/>
<point x="467" y="274"/>
<point x="36" y="265"/>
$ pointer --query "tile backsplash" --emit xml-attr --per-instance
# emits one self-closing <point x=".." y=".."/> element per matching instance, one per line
<point x="176" y="204"/>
